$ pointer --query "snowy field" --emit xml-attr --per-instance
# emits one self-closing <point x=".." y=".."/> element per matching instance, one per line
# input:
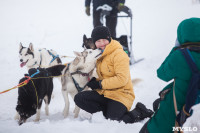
<point x="60" y="25"/>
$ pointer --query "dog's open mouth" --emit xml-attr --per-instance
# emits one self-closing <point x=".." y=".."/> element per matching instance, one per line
<point x="98" y="55"/>
<point x="23" y="63"/>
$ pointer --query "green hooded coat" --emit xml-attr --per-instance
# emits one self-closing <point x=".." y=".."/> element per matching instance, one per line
<point x="175" y="67"/>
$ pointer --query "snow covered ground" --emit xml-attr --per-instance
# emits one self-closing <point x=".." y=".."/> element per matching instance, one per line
<point x="60" y="25"/>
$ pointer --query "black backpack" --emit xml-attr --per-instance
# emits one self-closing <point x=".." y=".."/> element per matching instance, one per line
<point x="193" y="91"/>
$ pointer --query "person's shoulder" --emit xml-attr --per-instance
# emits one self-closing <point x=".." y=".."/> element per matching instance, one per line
<point x="120" y="54"/>
<point x="175" y="52"/>
<point x="176" y="56"/>
<point x="115" y="41"/>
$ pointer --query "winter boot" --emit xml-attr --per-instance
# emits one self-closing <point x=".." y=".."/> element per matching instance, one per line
<point x="144" y="111"/>
<point x="134" y="115"/>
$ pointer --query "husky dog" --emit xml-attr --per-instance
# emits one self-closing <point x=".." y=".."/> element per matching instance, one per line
<point x="31" y="95"/>
<point x="87" y="43"/>
<point x="33" y="58"/>
<point x="77" y="74"/>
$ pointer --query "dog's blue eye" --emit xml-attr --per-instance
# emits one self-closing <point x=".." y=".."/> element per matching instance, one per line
<point x="26" y="54"/>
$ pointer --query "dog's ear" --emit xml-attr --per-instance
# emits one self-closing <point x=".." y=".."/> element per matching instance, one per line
<point x="20" y="46"/>
<point x="31" y="47"/>
<point x="77" y="53"/>
<point x="84" y="38"/>
<point x="85" y="53"/>
<point x="76" y="61"/>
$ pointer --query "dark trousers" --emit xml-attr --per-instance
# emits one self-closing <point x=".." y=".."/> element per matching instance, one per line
<point x="111" y="21"/>
<point x="92" y="102"/>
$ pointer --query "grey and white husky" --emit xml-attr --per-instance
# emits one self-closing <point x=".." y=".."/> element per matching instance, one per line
<point x="77" y="74"/>
<point x="34" y="58"/>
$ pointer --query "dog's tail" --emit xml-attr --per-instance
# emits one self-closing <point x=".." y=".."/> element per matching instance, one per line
<point x="56" y="70"/>
<point x="136" y="81"/>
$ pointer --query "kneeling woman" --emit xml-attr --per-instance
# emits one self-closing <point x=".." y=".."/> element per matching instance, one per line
<point x="112" y="93"/>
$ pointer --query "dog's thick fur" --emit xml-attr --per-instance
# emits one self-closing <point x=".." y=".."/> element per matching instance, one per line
<point x="84" y="62"/>
<point x="34" y="58"/>
<point x="30" y="96"/>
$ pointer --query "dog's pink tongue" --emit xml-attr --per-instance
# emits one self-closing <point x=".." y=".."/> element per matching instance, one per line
<point x="22" y="64"/>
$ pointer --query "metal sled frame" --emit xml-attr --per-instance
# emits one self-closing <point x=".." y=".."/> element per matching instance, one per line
<point x="128" y="11"/>
<point x="129" y="15"/>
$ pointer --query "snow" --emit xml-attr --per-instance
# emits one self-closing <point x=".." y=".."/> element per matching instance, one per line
<point x="60" y="25"/>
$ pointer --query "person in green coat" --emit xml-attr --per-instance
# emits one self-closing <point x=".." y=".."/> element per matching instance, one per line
<point x="175" y="69"/>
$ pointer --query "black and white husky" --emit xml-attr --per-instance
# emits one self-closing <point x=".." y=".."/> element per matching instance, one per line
<point x="75" y="77"/>
<point x="77" y="74"/>
<point x="31" y="95"/>
<point x="34" y="58"/>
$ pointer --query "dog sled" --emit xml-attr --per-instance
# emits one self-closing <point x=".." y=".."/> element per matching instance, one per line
<point x="125" y="40"/>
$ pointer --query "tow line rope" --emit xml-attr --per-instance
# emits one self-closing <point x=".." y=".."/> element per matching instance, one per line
<point x="19" y="85"/>
<point x="27" y="80"/>
<point x="31" y="78"/>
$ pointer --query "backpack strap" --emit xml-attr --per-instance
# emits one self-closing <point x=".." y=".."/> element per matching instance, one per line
<point x="190" y="97"/>
<point x="188" y="56"/>
<point x="191" y="92"/>
<point x="175" y="108"/>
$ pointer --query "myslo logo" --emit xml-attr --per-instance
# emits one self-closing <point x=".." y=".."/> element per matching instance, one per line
<point x="184" y="129"/>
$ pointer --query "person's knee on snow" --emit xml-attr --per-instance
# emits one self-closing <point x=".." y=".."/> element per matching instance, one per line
<point x="114" y="91"/>
<point x="115" y="110"/>
<point x="79" y="99"/>
<point x="90" y="101"/>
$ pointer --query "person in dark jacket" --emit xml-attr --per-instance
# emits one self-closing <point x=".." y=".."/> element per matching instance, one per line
<point x="175" y="67"/>
<point x="112" y="93"/>
<point x="111" y="19"/>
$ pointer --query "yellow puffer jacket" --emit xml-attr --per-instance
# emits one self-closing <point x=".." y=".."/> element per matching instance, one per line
<point x="113" y="70"/>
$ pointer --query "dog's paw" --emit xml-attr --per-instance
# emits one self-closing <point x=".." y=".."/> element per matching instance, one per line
<point x="65" y="113"/>
<point x="52" y="96"/>
<point x="76" y="111"/>
<point x="75" y="115"/>
<point x="17" y="117"/>
<point x="47" y="113"/>
<point x="36" y="119"/>
<point x="47" y="110"/>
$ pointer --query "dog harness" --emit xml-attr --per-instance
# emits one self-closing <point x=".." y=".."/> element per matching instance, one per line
<point x="29" y="79"/>
<point x="75" y="82"/>
<point x="54" y="57"/>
